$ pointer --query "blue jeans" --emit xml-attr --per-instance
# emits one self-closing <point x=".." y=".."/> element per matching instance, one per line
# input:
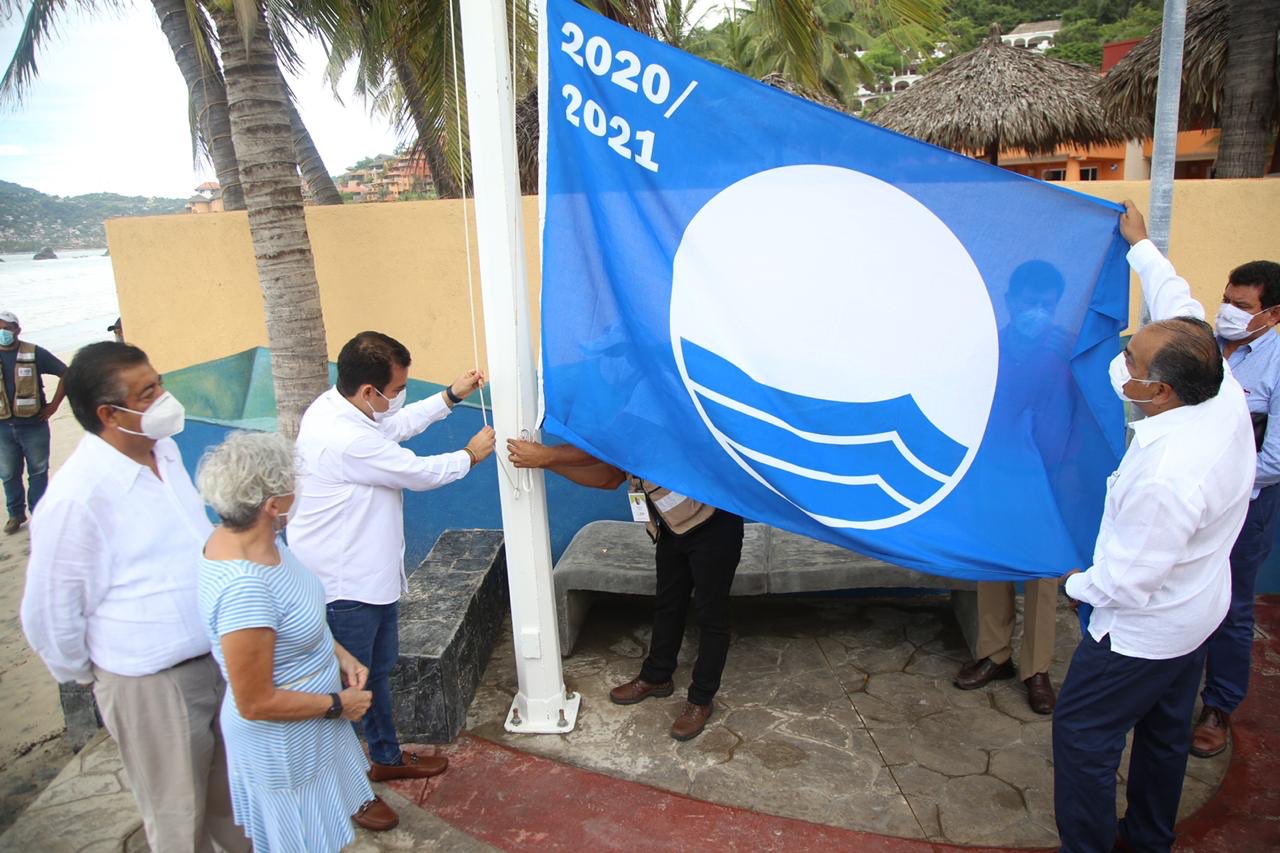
<point x="371" y="633"/>
<point x="24" y="440"/>
<point x="1227" y="668"/>
<point x="1104" y="696"/>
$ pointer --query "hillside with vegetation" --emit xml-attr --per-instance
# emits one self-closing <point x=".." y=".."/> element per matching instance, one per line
<point x="858" y="50"/>
<point x="31" y="220"/>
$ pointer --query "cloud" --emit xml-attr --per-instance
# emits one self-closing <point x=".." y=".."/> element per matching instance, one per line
<point x="109" y="112"/>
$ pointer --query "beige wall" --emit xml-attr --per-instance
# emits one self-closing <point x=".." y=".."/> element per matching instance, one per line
<point x="189" y="290"/>
<point x="1217" y="225"/>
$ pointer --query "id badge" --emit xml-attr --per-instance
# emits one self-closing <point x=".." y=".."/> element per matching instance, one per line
<point x="26" y="371"/>
<point x="639" y="506"/>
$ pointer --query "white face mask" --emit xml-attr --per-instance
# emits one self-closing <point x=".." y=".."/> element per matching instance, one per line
<point x="394" y="404"/>
<point x="282" y="520"/>
<point x="1033" y="322"/>
<point x="165" y="417"/>
<point x="1233" y="323"/>
<point x="1120" y="377"/>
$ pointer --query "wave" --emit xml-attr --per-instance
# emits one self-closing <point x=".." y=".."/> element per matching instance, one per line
<point x="857" y="462"/>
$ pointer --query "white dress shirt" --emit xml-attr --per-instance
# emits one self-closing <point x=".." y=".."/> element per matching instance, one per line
<point x="348" y="523"/>
<point x="115" y="554"/>
<point x="1161" y="578"/>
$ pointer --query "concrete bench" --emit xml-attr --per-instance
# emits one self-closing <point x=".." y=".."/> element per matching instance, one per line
<point x="617" y="557"/>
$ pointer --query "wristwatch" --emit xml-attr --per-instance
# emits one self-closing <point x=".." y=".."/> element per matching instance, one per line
<point x="453" y="398"/>
<point x="335" y="710"/>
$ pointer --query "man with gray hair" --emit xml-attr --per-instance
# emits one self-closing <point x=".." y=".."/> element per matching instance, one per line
<point x="1160" y="581"/>
<point x="111" y="601"/>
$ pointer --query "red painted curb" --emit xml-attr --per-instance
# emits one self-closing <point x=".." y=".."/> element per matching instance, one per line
<point x="515" y="801"/>
<point x="1244" y="814"/>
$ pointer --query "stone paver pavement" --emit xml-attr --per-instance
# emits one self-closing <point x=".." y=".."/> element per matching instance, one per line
<point x="836" y="711"/>
<point x="88" y="809"/>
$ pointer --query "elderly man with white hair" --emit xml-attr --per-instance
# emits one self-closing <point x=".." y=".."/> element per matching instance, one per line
<point x="296" y="769"/>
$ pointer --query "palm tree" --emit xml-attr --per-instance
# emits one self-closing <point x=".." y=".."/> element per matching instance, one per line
<point x="210" y="133"/>
<point x="206" y="93"/>
<point x="1250" y="92"/>
<point x="260" y="128"/>
<point x="186" y="28"/>
<point x="1229" y="80"/>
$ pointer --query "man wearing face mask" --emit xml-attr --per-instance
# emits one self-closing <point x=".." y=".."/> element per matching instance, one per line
<point x="24" y="419"/>
<point x="1250" y="310"/>
<point x="1160" y="582"/>
<point x="1030" y="414"/>
<point x="111" y="596"/>
<point x="348" y="523"/>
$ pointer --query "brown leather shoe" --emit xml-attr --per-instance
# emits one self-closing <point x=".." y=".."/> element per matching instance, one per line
<point x="376" y="816"/>
<point x="636" y="690"/>
<point x="412" y="766"/>
<point x="14" y="524"/>
<point x="981" y="672"/>
<point x="1040" y="693"/>
<point x="692" y="720"/>
<point x="1210" y="734"/>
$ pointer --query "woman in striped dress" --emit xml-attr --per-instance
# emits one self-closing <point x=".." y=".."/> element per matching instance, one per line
<point x="297" y="772"/>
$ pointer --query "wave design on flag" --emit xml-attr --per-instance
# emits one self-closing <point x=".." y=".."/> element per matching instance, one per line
<point x="843" y="463"/>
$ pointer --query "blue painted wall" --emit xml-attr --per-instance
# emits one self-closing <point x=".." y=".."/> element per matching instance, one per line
<point x="228" y="394"/>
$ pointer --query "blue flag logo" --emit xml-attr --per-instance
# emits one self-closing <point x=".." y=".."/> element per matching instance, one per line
<point x="811" y="321"/>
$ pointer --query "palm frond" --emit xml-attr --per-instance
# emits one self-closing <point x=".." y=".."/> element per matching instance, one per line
<point x="37" y="27"/>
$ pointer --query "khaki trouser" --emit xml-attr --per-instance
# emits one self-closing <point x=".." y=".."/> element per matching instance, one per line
<point x="166" y="726"/>
<point x="995" y="624"/>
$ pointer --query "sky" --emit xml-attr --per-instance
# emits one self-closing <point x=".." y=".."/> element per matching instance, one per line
<point x="108" y="112"/>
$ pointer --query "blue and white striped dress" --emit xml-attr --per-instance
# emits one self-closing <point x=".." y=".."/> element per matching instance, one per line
<point x="294" y="785"/>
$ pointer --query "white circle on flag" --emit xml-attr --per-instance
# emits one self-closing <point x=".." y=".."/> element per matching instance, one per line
<point x="838" y="341"/>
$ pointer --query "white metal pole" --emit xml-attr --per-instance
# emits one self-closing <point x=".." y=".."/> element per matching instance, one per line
<point x="542" y="704"/>
<point x="1164" y="143"/>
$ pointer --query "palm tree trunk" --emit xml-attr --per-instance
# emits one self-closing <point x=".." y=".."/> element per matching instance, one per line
<point x="441" y="175"/>
<point x="318" y="179"/>
<point x="259" y="111"/>
<point x="1249" y="92"/>
<point x="428" y="138"/>
<point x="208" y="96"/>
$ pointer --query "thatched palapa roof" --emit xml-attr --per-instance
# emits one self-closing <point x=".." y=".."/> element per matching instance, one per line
<point x="997" y="96"/>
<point x="1129" y="89"/>
<point x="777" y="81"/>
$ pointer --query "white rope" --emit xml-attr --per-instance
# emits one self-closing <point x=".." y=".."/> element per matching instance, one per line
<point x="466" y="231"/>
<point x="466" y="225"/>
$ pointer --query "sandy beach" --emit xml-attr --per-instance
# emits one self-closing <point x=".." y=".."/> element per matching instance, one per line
<point x="32" y="749"/>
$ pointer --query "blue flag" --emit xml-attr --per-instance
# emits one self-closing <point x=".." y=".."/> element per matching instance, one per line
<point x="817" y="323"/>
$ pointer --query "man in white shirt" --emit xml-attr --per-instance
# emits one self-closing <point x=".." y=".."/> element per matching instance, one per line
<point x="111" y="596"/>
<point x="1160" y="581"/>
<point x="348" y="524"/>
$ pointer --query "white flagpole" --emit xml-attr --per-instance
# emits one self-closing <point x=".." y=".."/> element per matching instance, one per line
<point x="542" y="704"/>
<point x="1164" y="142"/>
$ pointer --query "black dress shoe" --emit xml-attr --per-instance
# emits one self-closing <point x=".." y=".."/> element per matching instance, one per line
<point x="981" y="672"/>
<point x="1040" y="693"/>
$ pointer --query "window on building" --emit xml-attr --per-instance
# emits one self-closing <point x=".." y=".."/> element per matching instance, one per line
<point x="1089" y="173"/>
<point x="1054" y="175"/>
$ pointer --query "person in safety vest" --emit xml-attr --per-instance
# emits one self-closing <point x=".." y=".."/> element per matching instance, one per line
<point x="698" y="548"/>
<point x="24" y="419"/>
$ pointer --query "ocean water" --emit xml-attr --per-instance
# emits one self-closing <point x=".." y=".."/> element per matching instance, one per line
<point x="62" y="304"/>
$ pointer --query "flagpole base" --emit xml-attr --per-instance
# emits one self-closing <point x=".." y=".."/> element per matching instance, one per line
<point x="559" y="723"/>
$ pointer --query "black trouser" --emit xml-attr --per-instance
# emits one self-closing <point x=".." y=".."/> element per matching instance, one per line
<point x="703" y="561"/>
